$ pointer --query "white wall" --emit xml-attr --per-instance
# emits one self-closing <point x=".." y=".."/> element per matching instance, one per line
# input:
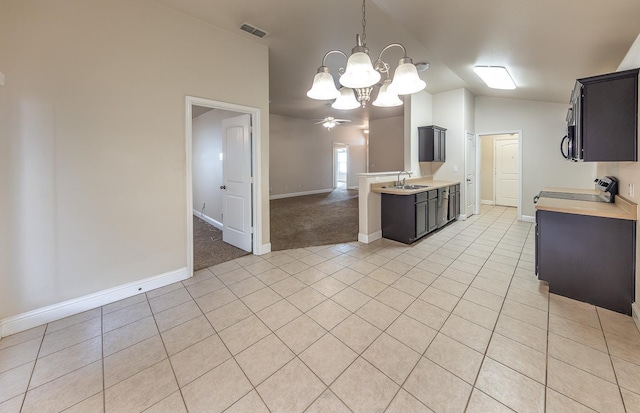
<point x="386" y="144"/>
<point x="93" y="140"/>
<point x="301" y="155"/>
<point x="449" y="112"/>
<point x="418" y="112"/>
<point x="543" y="126"/>
<point x="628" y="172"/>
<point x="206" y="163"/>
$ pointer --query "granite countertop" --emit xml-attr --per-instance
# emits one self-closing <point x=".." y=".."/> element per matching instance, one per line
<point x="428" y="182"/>
<point x="620" y="209"/>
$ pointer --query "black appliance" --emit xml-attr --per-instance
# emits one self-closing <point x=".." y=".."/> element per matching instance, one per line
<point x="606" y="186"/>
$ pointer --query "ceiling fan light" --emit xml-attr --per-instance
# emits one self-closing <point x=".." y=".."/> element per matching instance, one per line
<point x="496" y="77"/>
<point x="346" y="100"/>
<point x="359" y="72"/>
<point x="405" y="79"/>
<point x="323" y="88"/>
<point x="387" y="98"/>
<point x="329" y="124"/>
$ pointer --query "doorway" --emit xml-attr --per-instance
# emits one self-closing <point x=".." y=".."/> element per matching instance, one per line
<point x="340" y="166"/>
<point x="221" y="187"/>
<point x="500" y="169"/>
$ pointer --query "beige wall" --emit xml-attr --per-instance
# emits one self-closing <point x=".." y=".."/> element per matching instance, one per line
<point x="93" y="140"/>
<point x="543" y="126"/>
<point x="206" y="163"/>
<point x="386" y="144"/>
<point x="301" y="155"/>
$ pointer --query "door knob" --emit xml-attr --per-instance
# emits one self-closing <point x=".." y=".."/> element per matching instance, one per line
<point x="468" y="180"/>
<point x="223" y="187"/>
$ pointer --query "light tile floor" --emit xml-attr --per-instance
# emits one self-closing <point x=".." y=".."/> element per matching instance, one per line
<point x="457" y="322"/>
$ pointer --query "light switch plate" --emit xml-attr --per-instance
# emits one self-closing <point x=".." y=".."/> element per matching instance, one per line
<point x="1" y="78"/>
<point x="455" y="169"/>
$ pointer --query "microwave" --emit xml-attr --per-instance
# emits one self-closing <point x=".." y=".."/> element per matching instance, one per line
<point x="573" y="139"/>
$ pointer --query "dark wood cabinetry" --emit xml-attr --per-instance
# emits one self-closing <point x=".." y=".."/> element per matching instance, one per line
<point x="609" y="118"/>
<point x="432" y="143"/>
<point x="407" y="218"/>
<point x="587" y="258"/>
<point x="454" y="202"/>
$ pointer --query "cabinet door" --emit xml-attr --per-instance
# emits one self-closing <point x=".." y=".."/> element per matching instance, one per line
<point x="425" y="144"/>
<point x="432" y="220"/>
<point x="437" y="145"/>
<point x="443" y="146"/>
<point x="421" y="219"/>
<point x="610" y="117"/>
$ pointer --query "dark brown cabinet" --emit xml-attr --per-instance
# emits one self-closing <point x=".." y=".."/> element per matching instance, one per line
<point x="609" y="117"/>
<point x="454" y="202"/>
<point x="406" y="218"/>
<point x="587" y="258"/>
<point x="432" y="144"/>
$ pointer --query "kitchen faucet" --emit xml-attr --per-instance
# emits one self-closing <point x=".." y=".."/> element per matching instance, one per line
<point x="403" y="179"/>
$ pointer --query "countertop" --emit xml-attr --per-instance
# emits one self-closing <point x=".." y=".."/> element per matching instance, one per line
<point x="620" y="209"/>
<point x="378" y="186"/>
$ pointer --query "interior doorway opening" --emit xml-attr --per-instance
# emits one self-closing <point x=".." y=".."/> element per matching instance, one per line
<point x="500" y="169"/>
<point x="340" y="166"/>
<point x="221" y="192"/>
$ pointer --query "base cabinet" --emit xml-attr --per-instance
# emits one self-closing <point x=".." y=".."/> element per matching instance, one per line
<point x="587" y="258"/>
<point x="407" y="218"/>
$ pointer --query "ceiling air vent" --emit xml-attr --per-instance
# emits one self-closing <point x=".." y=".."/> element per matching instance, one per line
<point x="253" y="30"/>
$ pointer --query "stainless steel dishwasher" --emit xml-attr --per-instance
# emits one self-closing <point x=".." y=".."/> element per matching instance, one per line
<point x="443" y="206"/>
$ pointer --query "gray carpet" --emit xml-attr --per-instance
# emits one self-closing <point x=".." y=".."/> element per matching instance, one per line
<point x="312" y="220"/>
<point x="208" y="247"/>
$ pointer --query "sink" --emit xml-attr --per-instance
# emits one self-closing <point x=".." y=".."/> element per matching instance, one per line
<point x="406" y="186"/>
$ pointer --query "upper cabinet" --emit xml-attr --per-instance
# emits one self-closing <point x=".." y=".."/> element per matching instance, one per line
<point x="431" y="144"/>
<point x="608" y="122"/>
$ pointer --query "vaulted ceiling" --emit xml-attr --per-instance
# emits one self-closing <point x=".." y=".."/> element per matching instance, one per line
<point x="545" y="44"/>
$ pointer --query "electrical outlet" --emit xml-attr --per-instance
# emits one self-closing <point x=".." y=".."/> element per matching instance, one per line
<point x="632" y="191"/>
<point x="455" y="169"/>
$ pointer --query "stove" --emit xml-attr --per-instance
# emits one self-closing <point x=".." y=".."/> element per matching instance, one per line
<point x="607" y="188"/>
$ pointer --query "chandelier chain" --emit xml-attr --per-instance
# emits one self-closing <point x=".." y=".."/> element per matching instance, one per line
<point x="364" y="24"/>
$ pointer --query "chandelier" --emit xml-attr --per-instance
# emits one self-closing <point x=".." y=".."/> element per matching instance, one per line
<point x="360" y="76"/>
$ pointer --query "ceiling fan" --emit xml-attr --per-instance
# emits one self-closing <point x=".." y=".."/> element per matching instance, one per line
<point x="329" y="122"/>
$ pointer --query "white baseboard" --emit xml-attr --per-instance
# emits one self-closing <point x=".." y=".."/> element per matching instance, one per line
<point x="34" y="318"/>
<point x="264" y="249"/>
<point x="486" y="202"/>
<point x="354" y="187"/>
<point x="293" y="194"/>
<point x="369" y="238"/>
<point x="208" y="219"/>
<point x="635" y="313"/>
<point x="462" y="217"/>
<point x="528" y="218"/>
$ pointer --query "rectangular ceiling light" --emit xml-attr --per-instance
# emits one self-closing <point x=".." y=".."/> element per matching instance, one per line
<point x="496" y="77"/>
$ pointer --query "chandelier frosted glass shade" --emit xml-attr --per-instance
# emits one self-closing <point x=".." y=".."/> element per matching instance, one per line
<point x="405" y="79"/>
<point x="359" y="72"/>
<point x="346" y="100"/>
<point x="386" y="98"/>
<point x="323" y="87"/>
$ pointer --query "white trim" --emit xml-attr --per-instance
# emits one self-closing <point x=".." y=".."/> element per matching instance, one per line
<point x="487" y="202"/>
<point x="256" y="144"/>
<point x="528" y="218"/>
<point x="208" y="219"/>
<point x="635" y="313"/>
<point x="294" y="194"/>
<point x="265" y="249"/>
<point x="369" y="238"/>
<point x="346" y="179"/>
<point x="40" y="316"/>
<point x="462" y="217"/>
<point x="356" y="187"/>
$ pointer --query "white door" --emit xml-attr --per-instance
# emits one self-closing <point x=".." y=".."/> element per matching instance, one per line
<point x="236" y="149"/>
<point x="470" y="195"/>
<point x="506" y="178"/>
<point x="340" y="165"/>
